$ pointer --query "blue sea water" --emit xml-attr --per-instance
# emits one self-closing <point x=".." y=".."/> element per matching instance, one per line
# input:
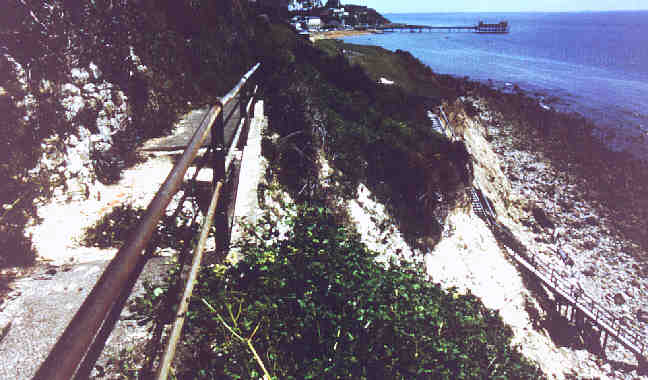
<point x="593" y="63"/>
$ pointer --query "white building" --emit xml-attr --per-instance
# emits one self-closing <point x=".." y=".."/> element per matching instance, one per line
<point x="314" y="22"/>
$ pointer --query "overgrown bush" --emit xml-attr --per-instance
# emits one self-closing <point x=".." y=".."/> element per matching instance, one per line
<point x="317" y="305"/>
<point x="374" y="134"/>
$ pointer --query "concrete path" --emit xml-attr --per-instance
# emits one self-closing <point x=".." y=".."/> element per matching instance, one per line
<point x="43" y="304"/>
<point x="187" y="126"/>
<point x="39" y="305"/>
<point x="253" y="167"/>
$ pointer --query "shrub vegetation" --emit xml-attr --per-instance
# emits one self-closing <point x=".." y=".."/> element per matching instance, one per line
<point x="317" y="305"/>
<point x="321" y="101"/>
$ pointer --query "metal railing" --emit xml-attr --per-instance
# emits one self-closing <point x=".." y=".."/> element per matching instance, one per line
<point x="608" y="323"/>
<point x="631" y="338"/>
<point x="81" y="343"/>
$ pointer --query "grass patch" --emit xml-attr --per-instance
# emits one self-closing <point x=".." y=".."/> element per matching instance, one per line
<point x="400" y="66"/>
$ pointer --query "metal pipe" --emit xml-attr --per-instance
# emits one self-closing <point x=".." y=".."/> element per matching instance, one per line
<point x="240" y="135"/>
<point x="72" y="346"/>
<point x="62" y="362"/>
<point x="99" y="343"/>
<point x="169" y="352"/>
<point x="230" y="95"/>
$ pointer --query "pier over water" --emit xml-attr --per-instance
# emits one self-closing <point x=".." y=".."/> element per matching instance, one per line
<point x="499" y="28"/>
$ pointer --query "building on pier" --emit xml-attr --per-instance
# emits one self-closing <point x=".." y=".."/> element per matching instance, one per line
<point x="501" y="27"/>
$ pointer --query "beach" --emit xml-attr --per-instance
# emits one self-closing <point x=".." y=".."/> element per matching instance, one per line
<point x="335" y="34"/>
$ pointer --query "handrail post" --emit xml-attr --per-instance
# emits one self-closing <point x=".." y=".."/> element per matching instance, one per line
<point x="218" y="170"/>
<point x="243" y="102"/>
<point x="218" y="148"/>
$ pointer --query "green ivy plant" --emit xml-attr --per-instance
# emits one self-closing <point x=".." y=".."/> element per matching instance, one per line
<point x="317" y="305"/>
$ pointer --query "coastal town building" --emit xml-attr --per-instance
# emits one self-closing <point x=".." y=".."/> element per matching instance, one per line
<point x="336" y="15"/>
<point x="314" y="22"/>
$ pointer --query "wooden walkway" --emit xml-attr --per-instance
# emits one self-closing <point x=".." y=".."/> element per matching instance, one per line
<point x="579" y="307"/>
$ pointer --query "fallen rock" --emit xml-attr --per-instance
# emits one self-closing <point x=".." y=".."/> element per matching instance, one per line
<point x="589" y="271"/>
<point x="565" y="257"/>
<point x="642" y="316"/>
<point x="618" y="299"/>
<point x="5" y="325"/>
<point x="591" y="220"/>
<point x="589" y="245"/>
<point x="542" y="218"/>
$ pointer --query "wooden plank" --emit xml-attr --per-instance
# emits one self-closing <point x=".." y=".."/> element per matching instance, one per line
<point x="620" y="337"/>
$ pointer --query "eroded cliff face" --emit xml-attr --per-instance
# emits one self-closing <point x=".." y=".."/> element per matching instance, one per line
<point x="544" y="209"/>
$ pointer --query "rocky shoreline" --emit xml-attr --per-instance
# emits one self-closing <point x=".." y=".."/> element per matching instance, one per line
<point x="333" y="34"/>
<point x="552" y="207"/>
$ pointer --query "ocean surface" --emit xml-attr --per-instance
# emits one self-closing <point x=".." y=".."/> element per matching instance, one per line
<point x="593" y="63"/>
